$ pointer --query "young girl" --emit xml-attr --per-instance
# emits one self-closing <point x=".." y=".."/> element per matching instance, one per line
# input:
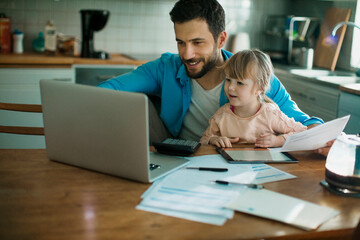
<point x="249" y="117"/>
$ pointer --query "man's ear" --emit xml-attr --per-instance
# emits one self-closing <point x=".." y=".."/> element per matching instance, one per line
<point x="222" y="39"/>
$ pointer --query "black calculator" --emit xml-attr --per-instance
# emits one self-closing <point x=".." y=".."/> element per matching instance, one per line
<point x="177" y="147"/>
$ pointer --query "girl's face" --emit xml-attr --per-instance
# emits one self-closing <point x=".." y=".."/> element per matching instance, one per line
<point x="241" y="92"/>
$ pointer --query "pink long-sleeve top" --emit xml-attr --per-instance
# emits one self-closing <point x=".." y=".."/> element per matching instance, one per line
<point x="269" y="119"/>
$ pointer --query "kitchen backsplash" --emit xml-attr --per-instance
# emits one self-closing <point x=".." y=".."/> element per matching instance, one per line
<point x="143" y="27"/>
<point x="134" y="26"/>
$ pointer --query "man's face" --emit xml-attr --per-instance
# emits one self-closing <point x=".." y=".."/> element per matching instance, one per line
<point x="197" y="47"/>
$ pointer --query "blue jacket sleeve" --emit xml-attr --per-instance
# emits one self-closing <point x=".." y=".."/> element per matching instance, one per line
<point x="144" y="79"/>
<point x="281" y="97"/>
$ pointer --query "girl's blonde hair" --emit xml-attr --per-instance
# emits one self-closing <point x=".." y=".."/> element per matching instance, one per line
<point x="251" y="64"/>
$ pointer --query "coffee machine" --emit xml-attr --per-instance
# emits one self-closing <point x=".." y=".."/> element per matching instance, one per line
<point x="91" y="21"/>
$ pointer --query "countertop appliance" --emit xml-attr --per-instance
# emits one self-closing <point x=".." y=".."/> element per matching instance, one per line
<point x="342" y="169"/>
<point x="91" y="21"/>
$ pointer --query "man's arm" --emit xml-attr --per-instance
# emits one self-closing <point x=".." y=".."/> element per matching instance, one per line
<point x="143" y="79"/>
<point x="281" y="97"/>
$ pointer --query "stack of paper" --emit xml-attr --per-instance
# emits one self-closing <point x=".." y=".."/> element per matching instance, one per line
<point x="193" y="195"/>
<point x="279" y="207"/>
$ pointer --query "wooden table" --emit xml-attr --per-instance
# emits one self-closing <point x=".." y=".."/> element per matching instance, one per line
<point x="42" y="199"/>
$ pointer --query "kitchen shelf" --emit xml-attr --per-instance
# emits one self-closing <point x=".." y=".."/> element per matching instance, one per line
<point x="296" y="31"/>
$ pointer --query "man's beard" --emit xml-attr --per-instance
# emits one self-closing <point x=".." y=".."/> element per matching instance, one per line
<point x="206" y="68"/>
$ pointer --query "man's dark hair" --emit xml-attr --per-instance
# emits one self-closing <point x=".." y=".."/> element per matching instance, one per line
<point x="209" y="10"/>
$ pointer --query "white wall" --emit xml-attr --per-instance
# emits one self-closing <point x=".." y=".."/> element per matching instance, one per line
<point x="135" y="26"/>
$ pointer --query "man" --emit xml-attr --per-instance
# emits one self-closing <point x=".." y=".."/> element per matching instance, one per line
<point x="190" y="83"/>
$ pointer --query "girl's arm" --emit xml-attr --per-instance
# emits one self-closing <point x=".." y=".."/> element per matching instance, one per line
<point x="283" y="126"/>
<point x="270" y="140"/>
<point x="212" y="131"/>
<point x="213" y="136"/>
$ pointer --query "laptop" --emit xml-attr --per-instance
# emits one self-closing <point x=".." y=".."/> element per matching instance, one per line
<point x="101" y="130"/>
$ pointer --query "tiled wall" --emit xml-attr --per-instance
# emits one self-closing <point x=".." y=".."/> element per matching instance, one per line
<point x="143" y="27"/>
<point x="134" y="26"/>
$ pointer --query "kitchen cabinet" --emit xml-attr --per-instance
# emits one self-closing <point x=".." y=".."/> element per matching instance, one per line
<point x="350" y="104"/>
<point x="315" y="99"/>
<point x="21" y="85"/>
<point x="95" y="74"/>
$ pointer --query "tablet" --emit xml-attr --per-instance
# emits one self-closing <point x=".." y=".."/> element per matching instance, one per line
<point x="251" y="155"/>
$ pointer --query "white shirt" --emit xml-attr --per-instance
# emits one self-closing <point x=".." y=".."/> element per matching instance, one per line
<point x="203" y="105"/>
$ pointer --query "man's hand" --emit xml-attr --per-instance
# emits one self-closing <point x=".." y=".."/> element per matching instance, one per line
<point x="223" y="141"/>
<point x="325" y="150"/>
<point x="313" y="125"/>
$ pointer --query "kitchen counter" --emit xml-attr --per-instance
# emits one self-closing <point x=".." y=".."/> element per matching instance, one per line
<point x="34" y="59"/>
<point x="29" y="60"/>
<point x="347" y="83"/>
<point x="353" y="88"/>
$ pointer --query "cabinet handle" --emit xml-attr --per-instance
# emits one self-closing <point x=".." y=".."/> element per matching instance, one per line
<point x="302" y="95"/>
<point x="62" y="79"/>
<point x="294" y="93"/>
<point x="104" y="77"/>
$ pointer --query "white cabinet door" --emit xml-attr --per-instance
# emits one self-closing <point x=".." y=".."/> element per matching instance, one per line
<point x="314" y="99"/>
<point x="21" y="85"/>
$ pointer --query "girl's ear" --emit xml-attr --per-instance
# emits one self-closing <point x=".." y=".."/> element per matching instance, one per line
<point x="259" y="91"/>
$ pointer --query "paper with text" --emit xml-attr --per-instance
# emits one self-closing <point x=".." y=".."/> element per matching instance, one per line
<point x="314" y="138"/>
<point x="193" y="195"/>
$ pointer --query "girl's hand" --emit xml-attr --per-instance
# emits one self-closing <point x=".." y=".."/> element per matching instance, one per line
<point x="223" y="141"/>
<point x="269" y="140"/>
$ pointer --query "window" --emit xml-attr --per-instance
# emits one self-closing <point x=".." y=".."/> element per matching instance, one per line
<point x="355" y="49"/>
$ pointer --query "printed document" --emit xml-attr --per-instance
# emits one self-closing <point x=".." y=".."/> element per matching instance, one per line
<point x="314" y="138"/>
<point x="192" y="194"/>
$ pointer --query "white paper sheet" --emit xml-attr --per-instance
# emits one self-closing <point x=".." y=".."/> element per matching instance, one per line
<point x="192" y="194"/>
<point x="197" y="217"/>
<point x="265" y="173"/>
<point x="314" y="138"/>
<point x="201" y="199"/>
<point x="276" y="206"/>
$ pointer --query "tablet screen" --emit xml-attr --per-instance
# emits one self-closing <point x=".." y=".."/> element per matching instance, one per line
<point x="241" y="155"/>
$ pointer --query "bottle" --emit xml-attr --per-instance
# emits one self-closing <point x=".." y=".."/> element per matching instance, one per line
<point x="39" y="43"/>
<point x="5" y="34"/>
<point x="50" y="38"/>
<point x="18" y="41"/>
